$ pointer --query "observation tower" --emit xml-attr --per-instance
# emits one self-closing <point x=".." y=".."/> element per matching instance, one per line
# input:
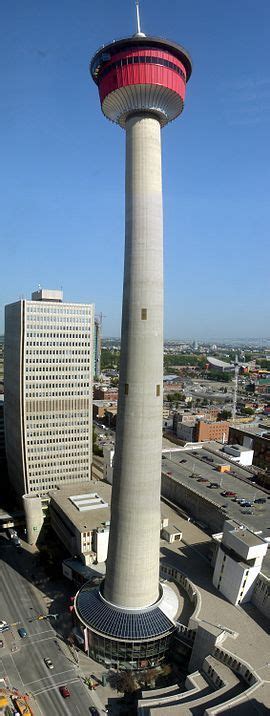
<point x="129" y="620"/>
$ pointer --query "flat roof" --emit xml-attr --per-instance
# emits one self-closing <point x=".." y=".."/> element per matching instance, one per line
<point x="246" y="535"/>
<point x="70" y="498"/>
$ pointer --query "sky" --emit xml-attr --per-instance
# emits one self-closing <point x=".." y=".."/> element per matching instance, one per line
<point x="62" y="179"/>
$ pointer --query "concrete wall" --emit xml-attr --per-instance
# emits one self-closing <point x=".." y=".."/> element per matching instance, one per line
<point x="132" y="576"/>
<point x="100" y="543"/>
<point x="193" y="503"/>
<point x="34" y="517"/>
<point x="261" y="595"/>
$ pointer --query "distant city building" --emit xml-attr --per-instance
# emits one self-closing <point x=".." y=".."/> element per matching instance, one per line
<point x="207" y="430"/>
<point x="195" y="345"/>
<point x="239" y="454"/>
<point x="185" y="431"/>
<point x="48" y="392"/>
<point x="103" y="393"/>
<point x="258" y="442"/>
<point x="238" y="561"/>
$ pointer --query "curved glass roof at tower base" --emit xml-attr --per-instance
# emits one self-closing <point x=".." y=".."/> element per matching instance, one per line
<point x="105" y="619"/>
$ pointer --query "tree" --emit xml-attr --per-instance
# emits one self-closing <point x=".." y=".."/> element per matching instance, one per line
<point x="224" y="415"/>
<point x="123" y="681"/>
<point x="248" y="411"/>
<point x="96" y="449"/>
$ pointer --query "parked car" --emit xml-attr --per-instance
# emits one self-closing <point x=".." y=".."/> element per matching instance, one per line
<point x="49" y="663"/>
<point x="182" y="460"/>
<point x="228" y="493"/>
<point x="260" y="500"/>
<point x="64" y="691"/>
<point x="22" y="632"/>
<point x="2" y="624"/>
<point x="247" y="512"/>
<point x="94" y="711"/>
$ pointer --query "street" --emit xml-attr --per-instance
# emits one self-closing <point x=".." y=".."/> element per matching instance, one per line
<point x="22" y="660"/>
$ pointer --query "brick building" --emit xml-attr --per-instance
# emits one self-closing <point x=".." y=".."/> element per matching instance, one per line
<point x="208" y="430"/>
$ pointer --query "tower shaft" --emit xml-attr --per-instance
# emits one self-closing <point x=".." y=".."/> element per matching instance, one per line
<point x="132" y="575"/>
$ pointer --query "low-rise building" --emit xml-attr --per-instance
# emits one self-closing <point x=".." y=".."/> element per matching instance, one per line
<point x="208" y="430"/>
<point x="238" y="561"/>
<point x="185" y="431"/>
<point x="104" y="393"/>
<point x="255" y="441"/>
<point x="80" y="516"/>
<point x="239" y="454"/>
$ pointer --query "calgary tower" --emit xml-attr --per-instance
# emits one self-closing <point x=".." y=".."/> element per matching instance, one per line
<point x="130" y="618"/>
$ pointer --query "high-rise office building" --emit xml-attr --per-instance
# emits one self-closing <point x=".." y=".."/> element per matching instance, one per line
<point x="130" y="618"/>
<point x="97" y="346"/>
<point x="48" y="392"/>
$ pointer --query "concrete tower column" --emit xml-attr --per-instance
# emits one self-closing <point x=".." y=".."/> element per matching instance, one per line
<point x="132" y="575"/>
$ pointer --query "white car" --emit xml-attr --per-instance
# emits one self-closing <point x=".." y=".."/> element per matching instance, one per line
<point x="3" y="624"/>
<point x="49" y="663"/>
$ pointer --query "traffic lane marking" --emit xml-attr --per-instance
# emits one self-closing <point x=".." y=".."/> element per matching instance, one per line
<point x="55" y="686"/>
<point x="59" y="673"/>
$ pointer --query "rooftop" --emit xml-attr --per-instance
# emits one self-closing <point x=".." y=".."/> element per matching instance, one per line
<point x="244" y="534"/>
<point x="86" y="505"/>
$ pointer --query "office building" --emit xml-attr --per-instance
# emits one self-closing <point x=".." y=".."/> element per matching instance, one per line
<point x="97" y="347"/>
<point x="48" y="392"/>
<point x="129" y="620"/>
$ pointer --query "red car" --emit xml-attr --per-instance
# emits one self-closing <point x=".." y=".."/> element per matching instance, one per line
<point x="64" y="691"/>
<point x="228" y="493"/>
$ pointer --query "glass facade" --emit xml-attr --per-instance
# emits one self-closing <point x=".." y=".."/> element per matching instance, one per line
<point x="127" y="654"/>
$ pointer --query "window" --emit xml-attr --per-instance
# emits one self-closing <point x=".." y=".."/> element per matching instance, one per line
<point x="144" y="314"/>
<point x="126" y="388"/>
<point x="157" y="390"/>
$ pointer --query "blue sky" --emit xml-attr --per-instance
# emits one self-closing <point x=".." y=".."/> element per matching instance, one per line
<point x="62" y="188"/>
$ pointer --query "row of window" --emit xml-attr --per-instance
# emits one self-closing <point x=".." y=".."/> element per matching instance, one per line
<point x="59" y="417"/>
<point x="63" y="310"/>
<point x="57" y="394"/>
<point x="46" y="343"/>
<point x="32" y="383"/>
<point x="57" y="359"/>
<point x="141" y="59"/>
<point x="80" y="349"/>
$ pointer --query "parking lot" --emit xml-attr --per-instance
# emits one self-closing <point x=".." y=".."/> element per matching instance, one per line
<point x="194" y="471"/>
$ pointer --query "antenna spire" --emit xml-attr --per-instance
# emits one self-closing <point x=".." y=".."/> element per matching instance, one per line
<point x="138" y="17"/>
<point x="139" y="33"/>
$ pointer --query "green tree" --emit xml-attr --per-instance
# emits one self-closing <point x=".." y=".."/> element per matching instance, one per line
<point x="248" y="411"/>
<point x="224" y="415"/>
